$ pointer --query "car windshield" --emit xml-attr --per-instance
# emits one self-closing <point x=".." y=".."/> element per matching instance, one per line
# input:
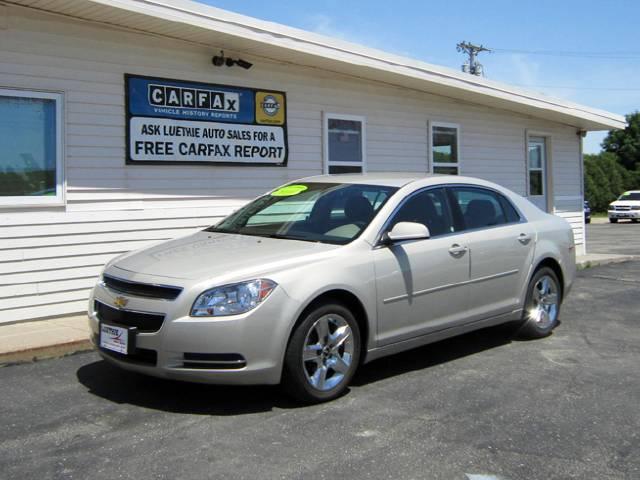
<point x="630" y="196"/>
<point x="317" y="212"/>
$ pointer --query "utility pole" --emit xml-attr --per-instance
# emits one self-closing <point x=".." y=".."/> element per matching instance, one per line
<point x="472" y="66"/>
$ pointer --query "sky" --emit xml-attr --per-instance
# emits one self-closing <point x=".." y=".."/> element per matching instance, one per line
<point x="583" y="51"/>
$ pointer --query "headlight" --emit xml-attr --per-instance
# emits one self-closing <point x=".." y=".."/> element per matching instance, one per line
<point x="635" y="208"/>
<point x="232" y="299"/>
<point x="612" y="206"/>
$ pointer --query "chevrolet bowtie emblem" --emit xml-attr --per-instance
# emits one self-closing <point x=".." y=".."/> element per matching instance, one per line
<point x="120" y="302"/>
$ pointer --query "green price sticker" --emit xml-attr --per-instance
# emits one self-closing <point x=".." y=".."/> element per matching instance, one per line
<point x="289" y="191"/>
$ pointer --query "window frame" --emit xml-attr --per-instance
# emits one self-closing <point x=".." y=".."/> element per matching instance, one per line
<point x="537" y="140"/>
<point x="325" y="141"/>
<point x="385" y="226"/>
<point x="59" y="197"/>
<point x="432" y="163"/>
<point x="549" y="184"/>
<point x="501" y="198"/>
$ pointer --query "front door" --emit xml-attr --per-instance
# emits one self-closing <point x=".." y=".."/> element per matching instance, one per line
<point x="422" y="284"/>
<point x="537" y="172"/>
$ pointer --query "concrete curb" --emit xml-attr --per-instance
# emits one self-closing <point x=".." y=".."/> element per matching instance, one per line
<point x="596" y="260"/>
<point x="42" y="353"/>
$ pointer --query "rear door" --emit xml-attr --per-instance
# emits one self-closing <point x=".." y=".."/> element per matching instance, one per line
<point x="501" y="246"/>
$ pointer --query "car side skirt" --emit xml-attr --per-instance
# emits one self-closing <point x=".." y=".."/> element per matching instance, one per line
<point x="379" y="352"/>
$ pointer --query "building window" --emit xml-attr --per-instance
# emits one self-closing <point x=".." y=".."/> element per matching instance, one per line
<point x="30" y="148"/>
<point x="445" y="148"/>
<point x="537" y="163"/>
<point x="344" y="143"/>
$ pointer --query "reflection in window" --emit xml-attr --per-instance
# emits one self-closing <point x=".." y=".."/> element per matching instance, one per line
<point x="429" y="208"/>
<point x="29" y="154"/>
<point x="345" y="144"/>
<point x="444" y="149"/>
<point x="536" y="166"/>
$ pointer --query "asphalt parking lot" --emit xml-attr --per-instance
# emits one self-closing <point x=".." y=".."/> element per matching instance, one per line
<point x="620" y="238"/>
<point x="567" y="406"/>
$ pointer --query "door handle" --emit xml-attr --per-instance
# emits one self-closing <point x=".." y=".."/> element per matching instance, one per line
<point x="457" y="250"/>
<point x="524" y="239"/>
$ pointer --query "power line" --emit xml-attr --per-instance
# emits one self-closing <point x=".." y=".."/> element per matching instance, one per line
<point x="568" y="87"/>
<point x="622" y="55"/>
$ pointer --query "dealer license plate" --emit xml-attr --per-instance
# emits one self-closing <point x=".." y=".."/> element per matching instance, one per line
<point x="116" y="339"/>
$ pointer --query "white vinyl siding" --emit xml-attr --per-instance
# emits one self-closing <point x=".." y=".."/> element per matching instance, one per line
<point x="50" y="259"/>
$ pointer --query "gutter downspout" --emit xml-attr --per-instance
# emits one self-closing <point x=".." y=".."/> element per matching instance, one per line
<point x="581" y="134"/>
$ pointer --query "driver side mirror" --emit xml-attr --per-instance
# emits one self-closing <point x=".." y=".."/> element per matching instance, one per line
<point x="406" y="231"/>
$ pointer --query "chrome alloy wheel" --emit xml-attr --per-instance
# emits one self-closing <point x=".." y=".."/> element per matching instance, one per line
<point x="328" y="352"/>
<point x="544" y="310"/>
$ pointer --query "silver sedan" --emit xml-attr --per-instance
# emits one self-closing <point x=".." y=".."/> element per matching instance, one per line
<point x="316" y="277"/>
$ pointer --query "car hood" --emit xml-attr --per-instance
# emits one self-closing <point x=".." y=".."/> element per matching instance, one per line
<point x="205" y="255"/>
<point x="626" y="203"/>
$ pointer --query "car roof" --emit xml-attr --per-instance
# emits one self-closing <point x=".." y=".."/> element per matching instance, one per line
<point x="395" y="179"/>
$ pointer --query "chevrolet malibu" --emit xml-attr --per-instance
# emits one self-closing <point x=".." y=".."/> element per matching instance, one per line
<point x="309" y="281"/>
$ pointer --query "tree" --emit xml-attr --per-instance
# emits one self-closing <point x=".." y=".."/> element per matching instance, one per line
<point x="625" y="144"/>
<point x="605" y="179"/>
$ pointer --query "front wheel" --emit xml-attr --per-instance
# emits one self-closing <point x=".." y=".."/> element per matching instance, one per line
<point x="322" y="355"/>
<point x="613" y="220"/>
<point x="542" y="305"/>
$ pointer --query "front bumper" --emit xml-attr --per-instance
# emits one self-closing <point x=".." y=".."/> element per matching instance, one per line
<point x="622" y="214"/>
<point x="258" y="337"/>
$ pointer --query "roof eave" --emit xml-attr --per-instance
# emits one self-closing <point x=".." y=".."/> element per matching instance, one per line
<point x="284" y="43"/>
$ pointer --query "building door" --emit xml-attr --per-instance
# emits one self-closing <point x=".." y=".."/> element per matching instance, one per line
<point x="537" y="172"/>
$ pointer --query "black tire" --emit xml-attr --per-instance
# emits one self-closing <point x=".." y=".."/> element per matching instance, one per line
<point x="635" y="220"/>
<point x="533" y="327"/>
<point x="588" y="220"/>
<point x="613" y="220"/>
<point x="296" y="374"/>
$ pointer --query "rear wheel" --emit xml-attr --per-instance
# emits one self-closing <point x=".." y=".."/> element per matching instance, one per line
<point x="542" y="305"/>
<point x="322" y="355"/>
<point x="613" y="220"/>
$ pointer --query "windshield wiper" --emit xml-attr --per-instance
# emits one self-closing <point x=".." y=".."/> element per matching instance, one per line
<point x="289" y="237"/>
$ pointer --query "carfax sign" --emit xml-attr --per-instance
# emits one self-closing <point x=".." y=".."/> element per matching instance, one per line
<point x="176" y="122"/>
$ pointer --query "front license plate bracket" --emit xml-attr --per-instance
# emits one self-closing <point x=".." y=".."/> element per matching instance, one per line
<point x="117" y="338"/>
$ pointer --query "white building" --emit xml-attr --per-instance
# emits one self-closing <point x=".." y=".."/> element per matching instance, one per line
<point x="92" y="164"/>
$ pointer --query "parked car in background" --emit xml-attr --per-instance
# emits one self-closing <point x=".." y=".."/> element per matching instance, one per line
<point x="310" y="280"/>
<point x="627" y="207"/>
<point x="587" y="212"/>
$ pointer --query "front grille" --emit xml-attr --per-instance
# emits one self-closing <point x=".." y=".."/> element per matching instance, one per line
<point x="145" y="322"/>
<point x="141" y="289"/>
<point x="214" y="361"/>
<point x="623" y="208"/>
<point x="141" y="356"/>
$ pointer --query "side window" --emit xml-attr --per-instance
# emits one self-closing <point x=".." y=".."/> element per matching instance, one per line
<point x="511" y="213"/>
<point x="428" y="207"/>
<point x="481" y="208"/>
